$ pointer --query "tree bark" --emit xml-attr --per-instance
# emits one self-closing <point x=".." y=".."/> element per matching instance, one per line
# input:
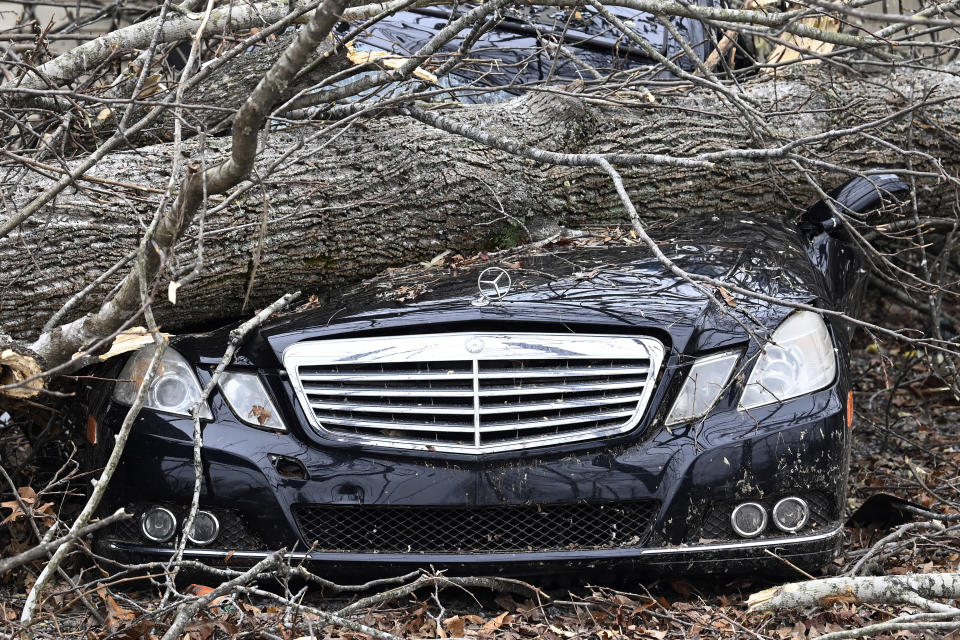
<point x="228" y="87"/>
<point x="391" y="190"/>
<point x="906" y="589"/>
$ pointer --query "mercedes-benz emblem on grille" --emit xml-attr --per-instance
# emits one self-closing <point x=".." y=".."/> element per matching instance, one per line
<point x="494" y="283"/>
<point x="474" y="345"/>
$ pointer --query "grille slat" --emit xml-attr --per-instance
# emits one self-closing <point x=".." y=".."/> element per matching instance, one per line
<point x="499" y="374"/>
<point x="398" y="377"/>
<point x="393" y="408"/>
<point x="485" y="391"/>
<point x="509" y="391"/>
<point x="490" y="529"/>
<point x="379" y="392"/>
<point x="559" y="404"/>
<point x="395" y="424"/>
<point x="545" y="422"/>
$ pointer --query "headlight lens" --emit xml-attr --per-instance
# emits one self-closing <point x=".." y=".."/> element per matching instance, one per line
<point x="707" y="379"/>
<point x="798" y="359"/>
<point x="175" y="388"/>
<point x="248" y="398"/>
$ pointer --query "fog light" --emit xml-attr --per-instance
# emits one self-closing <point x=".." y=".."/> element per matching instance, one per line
<point x="749" y="519"/>
<point x="205" y="528"/>
<point x="790" y="514"/>
<point x="158" y="524"/>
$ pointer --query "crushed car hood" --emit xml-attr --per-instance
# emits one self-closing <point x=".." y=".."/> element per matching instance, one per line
<point x="605" y="282"/>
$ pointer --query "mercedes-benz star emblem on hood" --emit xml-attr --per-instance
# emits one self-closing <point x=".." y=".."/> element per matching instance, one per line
<point x="494" y="284"/>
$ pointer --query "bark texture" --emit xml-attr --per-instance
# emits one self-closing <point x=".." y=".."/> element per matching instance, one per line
<point x="390" y="190"/>
<point x="229" y="86"/>
<point x="906" y="589"/>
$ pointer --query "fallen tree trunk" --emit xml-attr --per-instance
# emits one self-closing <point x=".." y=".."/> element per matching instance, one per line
<point x="392" y="190"/>
<point x="228" y="87"/>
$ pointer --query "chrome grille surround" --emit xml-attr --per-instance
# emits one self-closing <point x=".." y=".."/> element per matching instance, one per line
<point x="474" y="392"/>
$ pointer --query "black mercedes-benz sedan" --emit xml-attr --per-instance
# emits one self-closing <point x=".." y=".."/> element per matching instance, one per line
<point x="573" y="405"/>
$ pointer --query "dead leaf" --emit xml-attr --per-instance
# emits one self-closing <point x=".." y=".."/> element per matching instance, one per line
<point x="29" y="498"/>
<point x="136" y="631"/>
<point x="455" y="626"/>
<point x="563" y="633"/>
<point x="727" y="297"/>
<point x="405" y="293"/>
<point x="260" y="413"/>
<point x="201" y="630"/>
<point x="46" y="510"/>
<point x="104" y="113"/>
<point x="150" y="85"/>
<point x="17" y="511"/>
<point x="116" y="615"/>
<point x="312" y="303"/>
<point x="495" y="623"/>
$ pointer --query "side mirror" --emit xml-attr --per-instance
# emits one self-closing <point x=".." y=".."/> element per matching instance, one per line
<point x="861" y="197"/>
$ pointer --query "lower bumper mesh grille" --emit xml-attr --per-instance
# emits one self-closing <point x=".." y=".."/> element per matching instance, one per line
<point x="389" y="529"/>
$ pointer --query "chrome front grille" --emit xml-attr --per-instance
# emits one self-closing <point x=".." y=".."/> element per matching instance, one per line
<point x="474" y="392"/>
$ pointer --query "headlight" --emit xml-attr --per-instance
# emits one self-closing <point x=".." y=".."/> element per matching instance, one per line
<point x="707" y="379"/>
<point x="798" y="359"/>
<point x="175" y="388"/>
<point x="248" y="398"/>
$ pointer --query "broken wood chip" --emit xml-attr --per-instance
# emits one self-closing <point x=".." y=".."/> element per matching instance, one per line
<point x="388" y="60"/>
<point x="130" y="340"/>
<point x="17" y="368"/>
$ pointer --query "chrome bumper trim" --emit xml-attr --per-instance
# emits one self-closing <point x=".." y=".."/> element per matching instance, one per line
<point x="479" y="558"/>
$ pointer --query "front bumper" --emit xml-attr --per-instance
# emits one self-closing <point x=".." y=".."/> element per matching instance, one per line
<point x="784" y="555"/>
<point x="693" y="474"/>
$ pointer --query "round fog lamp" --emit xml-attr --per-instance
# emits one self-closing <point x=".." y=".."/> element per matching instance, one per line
<point x="790" y="514"/>
<point x="205" y="528"/>
<point x="749" y="519"/>
<point x="158" y="524"/>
